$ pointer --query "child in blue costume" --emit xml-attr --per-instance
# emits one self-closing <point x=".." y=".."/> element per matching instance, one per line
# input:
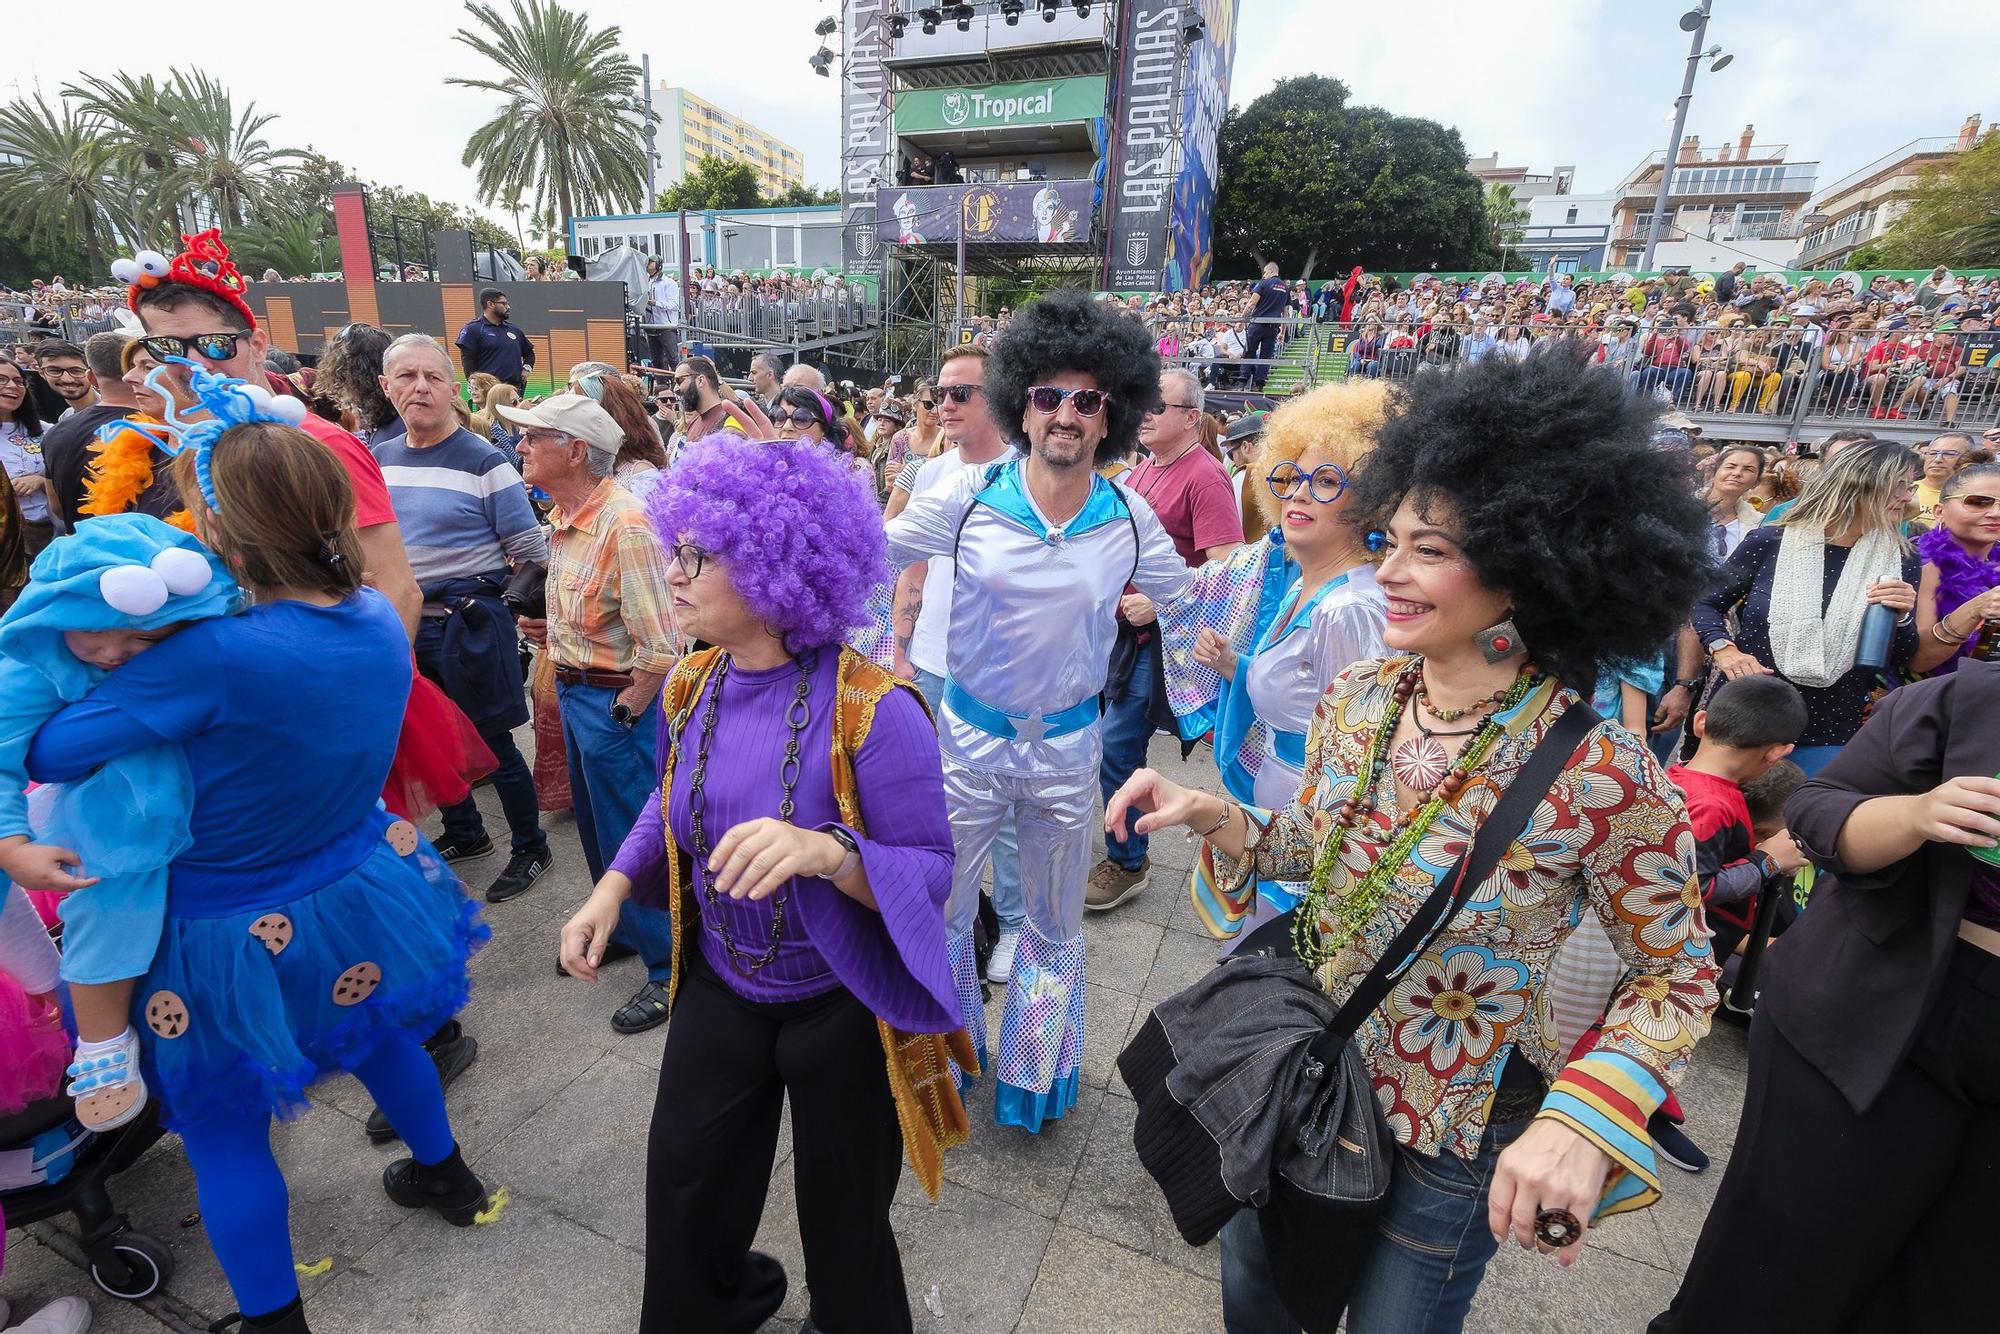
<point x="114" y="589"/>
<point x="306" y="931"/>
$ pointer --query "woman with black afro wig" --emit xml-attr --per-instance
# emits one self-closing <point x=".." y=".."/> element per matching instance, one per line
<point x="1069" y="331"/>
<point x="1531" y="534"/>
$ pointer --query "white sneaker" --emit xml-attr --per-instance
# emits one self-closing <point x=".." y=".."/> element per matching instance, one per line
<point x="64" y="1315"/>
<point x="1001" y="966"/>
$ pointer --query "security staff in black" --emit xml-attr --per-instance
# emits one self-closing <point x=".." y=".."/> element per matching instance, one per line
<point x="492" y="345"/>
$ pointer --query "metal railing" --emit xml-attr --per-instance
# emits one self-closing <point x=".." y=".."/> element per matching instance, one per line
<point x="754" y="319"/>
<point x="1776" y="382"/>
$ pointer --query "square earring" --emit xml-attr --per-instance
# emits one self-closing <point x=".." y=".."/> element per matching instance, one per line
<point x="1499" y="642"/>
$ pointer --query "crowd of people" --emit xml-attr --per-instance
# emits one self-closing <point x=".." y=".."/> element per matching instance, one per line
<point x="1513" y="690"/>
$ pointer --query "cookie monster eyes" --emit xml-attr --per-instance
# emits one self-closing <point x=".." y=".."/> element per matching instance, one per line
<point x="146" y="264"/>
<point x="141" y="590"/>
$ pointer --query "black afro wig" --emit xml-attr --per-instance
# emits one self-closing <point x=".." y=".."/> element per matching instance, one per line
<point x="1069" y="331"/>
<point x="1546" y="467"/>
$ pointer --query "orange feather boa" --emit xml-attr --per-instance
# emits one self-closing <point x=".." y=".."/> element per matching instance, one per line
<point x="121" y="470"/>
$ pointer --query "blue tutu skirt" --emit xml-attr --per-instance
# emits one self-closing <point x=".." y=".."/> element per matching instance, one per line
<point x="243" y="1013"/>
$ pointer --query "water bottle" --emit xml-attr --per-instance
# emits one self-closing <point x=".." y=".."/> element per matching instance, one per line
<point x="1878" y="624"/>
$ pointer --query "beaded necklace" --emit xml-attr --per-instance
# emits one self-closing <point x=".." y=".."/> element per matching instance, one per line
<point x="1344" y="917"/>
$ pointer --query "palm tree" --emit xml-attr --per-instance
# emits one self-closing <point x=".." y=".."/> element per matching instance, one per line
<point x="289" y="245"/>
<point x="516" y="206"/>
<point x="567" y="131"/>
<point x="57" y="182"/>
<point x="1505" y="216"/>
<point x="184" y="142"/>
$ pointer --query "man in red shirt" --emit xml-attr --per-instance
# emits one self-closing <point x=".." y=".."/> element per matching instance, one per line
<point x="1190" y="491"/>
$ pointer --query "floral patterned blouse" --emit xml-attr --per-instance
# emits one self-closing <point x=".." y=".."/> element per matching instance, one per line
<point x="1611" y="838"/>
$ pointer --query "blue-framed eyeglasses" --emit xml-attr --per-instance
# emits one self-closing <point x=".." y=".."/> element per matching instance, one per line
<point x="1327" y="483"/>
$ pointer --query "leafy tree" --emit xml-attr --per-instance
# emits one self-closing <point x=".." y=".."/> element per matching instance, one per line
<point x="567" y="131"/>
<point x="57" y="186"/>
<point x="22" y="259"/>
<point x="289" y="245"/>
<point x="715" y="182"/>
<point x="1953" y="216"/>
<point x="1505" y="220"/>
<point x="146" y="146"/>
<point x="801" y="196"/>
<point x="1303" y="174"/>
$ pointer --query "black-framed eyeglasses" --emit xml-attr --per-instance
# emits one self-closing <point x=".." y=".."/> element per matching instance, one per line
<point x="63" y="372"/>
<point x="689" y="557"/>
<point x="1048" y="400"/>
<point x="1326" y="483"/>
<point x="796" y="416"/>
<point x="961" y="393"/>
<point x="207" y="346"/>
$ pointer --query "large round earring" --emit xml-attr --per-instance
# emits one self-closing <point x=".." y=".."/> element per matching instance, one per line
<point x="1499" y="642"/>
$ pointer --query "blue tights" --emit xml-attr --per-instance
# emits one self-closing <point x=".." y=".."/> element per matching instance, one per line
<point x="243" y="1199"/>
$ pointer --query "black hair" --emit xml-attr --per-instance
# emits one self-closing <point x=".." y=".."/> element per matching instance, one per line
<point x="798" y="396"/>
<point x="60" y="347"/>
<point x="1068" y="330"/>
<point x="174" y="296"/>
<point x="1752" y="712"/>
<point x="350" y="373"/>
<point x="28" y="417"/>
<point x="1959" y="480"/>
<point x="1545" y="469"/>
<point x="1766" y="794"/>
<point x="488" y="295"/>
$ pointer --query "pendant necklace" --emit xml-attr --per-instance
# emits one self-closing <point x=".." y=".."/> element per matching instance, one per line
<point x="1421" y="763"/>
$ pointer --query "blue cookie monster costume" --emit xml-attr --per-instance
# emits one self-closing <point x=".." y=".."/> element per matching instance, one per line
<point x="130" y="818"/>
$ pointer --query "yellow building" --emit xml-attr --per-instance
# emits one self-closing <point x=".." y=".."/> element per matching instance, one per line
<point x="692" y="128"/>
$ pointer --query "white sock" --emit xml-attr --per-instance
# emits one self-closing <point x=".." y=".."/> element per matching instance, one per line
<point x="84" y="1048"/>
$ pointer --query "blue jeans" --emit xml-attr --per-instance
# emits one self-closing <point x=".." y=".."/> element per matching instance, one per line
<point x="513" y="780"/>
<point x="1431" y="1250"/>
<point x="1006" y="859"/>
<point x="1128" y="726"/>
<point x="612" y="775"/>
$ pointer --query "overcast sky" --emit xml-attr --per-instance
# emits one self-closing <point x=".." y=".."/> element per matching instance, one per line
<point x="1544" y="82"/>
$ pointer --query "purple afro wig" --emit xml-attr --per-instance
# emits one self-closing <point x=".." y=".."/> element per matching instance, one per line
<point x="794" y="525"/>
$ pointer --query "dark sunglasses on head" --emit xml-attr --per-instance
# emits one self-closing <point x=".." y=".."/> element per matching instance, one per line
<point x="1327" y="483"/>
<point x="207" y="346"/>
<point x="1977" y="504"/>
<point x="1048" y="400"/>
<point x="960" y="393"/>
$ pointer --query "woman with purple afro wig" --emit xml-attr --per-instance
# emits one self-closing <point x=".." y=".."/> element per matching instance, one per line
<point x="791" y="522"/>
<point x="802" y="848"/>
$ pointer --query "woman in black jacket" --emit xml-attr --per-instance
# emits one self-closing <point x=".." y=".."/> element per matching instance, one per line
<point x="1860" y="1192"/>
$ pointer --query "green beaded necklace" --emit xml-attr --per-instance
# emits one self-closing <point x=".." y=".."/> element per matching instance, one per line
<point x="1350" y="913"/>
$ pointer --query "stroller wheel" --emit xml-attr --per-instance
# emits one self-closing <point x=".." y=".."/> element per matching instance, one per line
<point x="146" y="1265"/>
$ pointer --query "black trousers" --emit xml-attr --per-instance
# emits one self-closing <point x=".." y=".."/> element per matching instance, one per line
<point x="1262" y="344"/>
<point x="728" y="1067"/>
<point x="1832" y="1220"/>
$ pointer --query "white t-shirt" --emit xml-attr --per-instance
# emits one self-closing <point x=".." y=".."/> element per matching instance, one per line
<point x="927" y="642"/>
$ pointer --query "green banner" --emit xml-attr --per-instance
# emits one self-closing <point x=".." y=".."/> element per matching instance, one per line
<point x="999" y="106"/>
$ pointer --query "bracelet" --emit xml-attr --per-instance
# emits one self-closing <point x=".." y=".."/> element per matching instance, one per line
<point x="1946" y="636"/>
<point x="1227" y="811"/>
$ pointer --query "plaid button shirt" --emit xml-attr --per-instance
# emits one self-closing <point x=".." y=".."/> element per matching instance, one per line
<point x="608" y="605"/>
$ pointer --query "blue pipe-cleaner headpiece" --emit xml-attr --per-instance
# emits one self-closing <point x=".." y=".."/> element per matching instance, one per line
<point x="228" y="402"/>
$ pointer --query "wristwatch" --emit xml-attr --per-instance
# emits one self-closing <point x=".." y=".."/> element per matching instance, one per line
<point x="1691" y="683"/>
<point x="853" y="857"/>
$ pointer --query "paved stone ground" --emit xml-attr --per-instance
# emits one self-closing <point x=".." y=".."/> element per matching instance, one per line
<point x="1033" y="1235"/>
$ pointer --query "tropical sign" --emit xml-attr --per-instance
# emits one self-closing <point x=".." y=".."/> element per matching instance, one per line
<point x="999" y="106"/>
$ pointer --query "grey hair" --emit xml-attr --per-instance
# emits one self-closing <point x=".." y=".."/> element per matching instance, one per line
<point x="1190" y="383"/>
<point x="772" y="362"/>
<point x="422" y="340"/>
<point x="592" y="368"/>
<point x="599" y="462"/>
<point x="810" y="377"/>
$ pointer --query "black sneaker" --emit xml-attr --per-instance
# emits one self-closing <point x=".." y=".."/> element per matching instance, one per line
<point x="1675" y="1146"/>
<point x="450" y="1188"/>
<point x="523" y="870"/>
<point x="454" y="849"/>
<point x="452" y="1050"/>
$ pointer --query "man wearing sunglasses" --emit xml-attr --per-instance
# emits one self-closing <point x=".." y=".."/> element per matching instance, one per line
<point x="182" y="320"/>
<point x="1042" y="551"/>
<point x="1190" y="492"/>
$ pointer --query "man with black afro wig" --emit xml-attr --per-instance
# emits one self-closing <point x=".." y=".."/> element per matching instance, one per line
<point x="1066" y="334"/>
<point x="1041" y="549"/>
<point x="1545" y="474"/>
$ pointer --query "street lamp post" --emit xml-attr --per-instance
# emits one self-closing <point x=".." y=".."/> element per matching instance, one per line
<point x="1694" y="21"/>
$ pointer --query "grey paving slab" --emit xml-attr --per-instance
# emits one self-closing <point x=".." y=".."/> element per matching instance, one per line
<point x="1119" y="950"/>
<point x="36" y="1275"/>
<point x="1031" y="1172"/>
<point x="1088" y="1285"/>
<point x="1107" y="1014"/>
<point x="1113" y="1198"/>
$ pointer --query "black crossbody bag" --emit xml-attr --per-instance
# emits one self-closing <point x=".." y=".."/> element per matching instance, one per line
<point x="1331" y="1172"/>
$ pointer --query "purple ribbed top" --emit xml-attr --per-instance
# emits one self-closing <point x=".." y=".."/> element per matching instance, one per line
<point x="893" y="960"/>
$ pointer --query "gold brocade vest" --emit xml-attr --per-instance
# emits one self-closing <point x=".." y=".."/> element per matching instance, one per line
<point x="920" y="1078"/>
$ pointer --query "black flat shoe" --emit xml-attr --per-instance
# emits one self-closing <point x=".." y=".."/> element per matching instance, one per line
<point x="450" y="1188"/>
<point x="647" y="1009"/>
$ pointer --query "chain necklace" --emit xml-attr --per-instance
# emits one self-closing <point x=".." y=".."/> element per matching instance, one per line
<point x="1325" y="925"/>
<point x="797" y="716"/>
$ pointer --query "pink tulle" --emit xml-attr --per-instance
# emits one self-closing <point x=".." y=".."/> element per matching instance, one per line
<point x="439" y="756"/>
<point x="34" y="1048"/>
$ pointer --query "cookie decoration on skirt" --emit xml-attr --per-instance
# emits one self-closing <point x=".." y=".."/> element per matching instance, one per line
<point x="274" y="929"/>
<point x="402" y="837"/>
<point x="167" y="1014"/>
<point x="357" y="984"/>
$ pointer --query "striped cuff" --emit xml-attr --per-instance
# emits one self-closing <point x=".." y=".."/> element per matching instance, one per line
<point x="1606" y="1097"/>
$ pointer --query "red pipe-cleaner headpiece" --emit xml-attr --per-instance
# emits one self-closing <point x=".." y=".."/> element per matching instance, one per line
<point x="205" y="264"/>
